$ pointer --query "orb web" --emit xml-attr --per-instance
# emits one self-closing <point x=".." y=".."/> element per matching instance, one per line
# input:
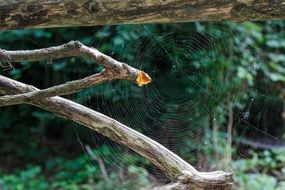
<point x="186" y="106"/>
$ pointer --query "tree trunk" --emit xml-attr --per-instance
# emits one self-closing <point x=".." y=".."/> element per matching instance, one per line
<point x="59" y="13"/>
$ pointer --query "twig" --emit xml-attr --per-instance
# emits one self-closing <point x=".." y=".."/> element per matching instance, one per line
<point x="59" y="90"/>
<point x="100" y="162"/>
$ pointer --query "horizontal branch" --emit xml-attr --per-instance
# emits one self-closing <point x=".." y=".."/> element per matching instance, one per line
<point x="174" y="167"/>
<point x="113" y="70"/>
<point x="58" y="13"/>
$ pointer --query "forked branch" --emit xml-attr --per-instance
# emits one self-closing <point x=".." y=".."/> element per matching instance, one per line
<point x="183" y="175"/>
<point x="113" y="70"/>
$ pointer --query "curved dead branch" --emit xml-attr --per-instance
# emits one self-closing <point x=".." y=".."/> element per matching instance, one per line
<point x="175" y="168"/>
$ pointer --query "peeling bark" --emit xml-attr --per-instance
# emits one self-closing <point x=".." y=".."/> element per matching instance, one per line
<point x="59" y="13"/>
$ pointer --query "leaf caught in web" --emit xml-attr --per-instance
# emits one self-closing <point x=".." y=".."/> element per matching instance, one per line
<point x="143" y="79"/>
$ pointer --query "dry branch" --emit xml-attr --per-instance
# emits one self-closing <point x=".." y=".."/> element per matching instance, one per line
<point x="113" y="70"/>
<point x="180" y="172"/>
<point x="175" y="168"/>
<point x="58" y="13"/>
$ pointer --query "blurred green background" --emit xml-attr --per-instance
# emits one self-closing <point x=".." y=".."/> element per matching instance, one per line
<point x="217" y="100"/>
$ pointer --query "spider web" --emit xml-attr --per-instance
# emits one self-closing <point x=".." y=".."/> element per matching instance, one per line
<point x="185" y="107"/>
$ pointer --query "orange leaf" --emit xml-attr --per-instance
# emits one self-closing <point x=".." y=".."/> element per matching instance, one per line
<point x="143" y="78"/>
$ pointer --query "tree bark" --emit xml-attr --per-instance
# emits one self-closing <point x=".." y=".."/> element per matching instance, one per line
<point x="58" y="13"/>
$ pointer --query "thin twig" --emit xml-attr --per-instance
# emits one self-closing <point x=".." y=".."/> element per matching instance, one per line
<point x="59" y="90"/>
<point x="99" y="160"/>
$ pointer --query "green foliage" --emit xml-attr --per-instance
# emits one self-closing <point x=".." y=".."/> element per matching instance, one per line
<point x="254" y="173"/>
<point x="76" y="174"/>
<point x="262" y="161"/>
<point x="26" y="179"/>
